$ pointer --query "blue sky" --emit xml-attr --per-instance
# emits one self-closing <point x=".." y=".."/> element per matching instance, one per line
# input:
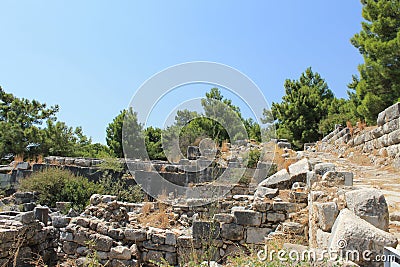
<point x="91" y="56"/>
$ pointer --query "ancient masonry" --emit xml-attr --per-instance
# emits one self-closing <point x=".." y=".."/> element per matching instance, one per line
<point x="385" y="138"/>
<point x="322" y="204"/>
<point x="309" y="201"/>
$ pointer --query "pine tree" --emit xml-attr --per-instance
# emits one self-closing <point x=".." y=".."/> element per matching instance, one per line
<point x="379" y="42"/>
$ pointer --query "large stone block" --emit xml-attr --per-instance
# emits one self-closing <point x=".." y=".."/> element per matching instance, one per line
<point x="383" y="140"/>
<point x="256" y="235"/>
<point x="394" y="138"/>
<point x="248" y="217"/>
<point x="205" y="230"/>
<point x="275" y="217"/>
<point x="391" y="126"/>
<point x="370" y="205"/>
<point x="101" y="242"/>
<point x="322" y="168"/>
<point x="153" y="256"/>
<point x="338" y="178"/>
<point x="60" y="221"/>
<point x="232" y="231"/>
<point x="377" y="132"/>
<point x="223" y="218"/>
<point x="393" y="151"/>
<point x="120" y="253"/>
<point x="280" y="180"/>
<point x="292" y="228"/>
<point x="265" y="192"/>
<point x="326" y="215"/>
<point x="359" y="139"/>
<point x="392" y="112"/>
<point x="351" y="233"/>
<point x="300" y="167"/>
<point x="287" y="207"/>
<point x="137" y="235"/>
<point x="322" y="239"/>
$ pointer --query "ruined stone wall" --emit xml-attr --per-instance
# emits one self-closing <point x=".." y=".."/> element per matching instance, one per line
<point x="385" y="138"/>
<point x="117" y="238"/>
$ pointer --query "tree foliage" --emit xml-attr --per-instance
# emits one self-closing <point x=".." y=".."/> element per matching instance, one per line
<point x="302" y="108"/>
<point x="30" y="128"/>
<point x="19" y="122"/>
<point x="125" y="135"/>
<point x="379" y="43"/>
<point x="154" y="143"/>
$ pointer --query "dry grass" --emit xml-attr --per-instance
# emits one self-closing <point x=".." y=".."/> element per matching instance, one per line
<point x="281" y="162"/>
<point x="160" y="218"/>
<point x="147" y="207"/>
<point x="361" y="125"/>
<point x="350" y="127"/>
<point x="224" y="147"/>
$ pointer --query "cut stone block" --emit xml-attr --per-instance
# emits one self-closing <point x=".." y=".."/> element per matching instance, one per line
<point x="369" y="204"/>
<point x="248" y="217"/>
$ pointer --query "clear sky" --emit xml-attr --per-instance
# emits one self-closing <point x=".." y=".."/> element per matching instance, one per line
<point x="90" y="56"/>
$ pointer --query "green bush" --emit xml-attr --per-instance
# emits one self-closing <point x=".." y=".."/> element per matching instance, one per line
<point x="120" y="189"/>
<point x="252" y="158"/>
<point x="54" y="185"/>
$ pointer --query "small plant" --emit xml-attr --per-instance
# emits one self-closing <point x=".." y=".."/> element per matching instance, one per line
<point x="252" y="158"/>
<point x="92" y="257"/>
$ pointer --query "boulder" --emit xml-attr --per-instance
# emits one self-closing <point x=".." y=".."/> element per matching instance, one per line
<point x="370" y="205"/>
<point x="351" y="233"/>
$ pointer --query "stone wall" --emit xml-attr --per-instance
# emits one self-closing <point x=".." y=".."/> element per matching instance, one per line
<point x="24" y="238"/>
<point x="384" y="138"/>
<point x="119" y="239"/>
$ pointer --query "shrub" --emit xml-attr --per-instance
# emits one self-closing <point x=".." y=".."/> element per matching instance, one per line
<point x="54" y="185"/>
<point x="252" y="158"/>
<point x="120" y="189"/>
<point x="111" y="164"/>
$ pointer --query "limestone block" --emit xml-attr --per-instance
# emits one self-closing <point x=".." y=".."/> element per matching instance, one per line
<point x="370" y="205"/>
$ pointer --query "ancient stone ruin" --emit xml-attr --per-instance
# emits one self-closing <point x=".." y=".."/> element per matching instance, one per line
<point x="310" y="205"/>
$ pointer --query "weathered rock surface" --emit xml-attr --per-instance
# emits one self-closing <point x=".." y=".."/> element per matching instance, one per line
<point x="326" y="215"/>
<point x="350" y="232"/>
<point x="370" y="205"/>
